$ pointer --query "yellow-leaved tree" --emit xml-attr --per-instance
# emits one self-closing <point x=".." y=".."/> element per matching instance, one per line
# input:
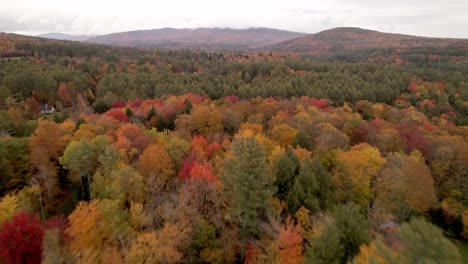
<point x="354" y="173"/>
<point x="8" y="207"/>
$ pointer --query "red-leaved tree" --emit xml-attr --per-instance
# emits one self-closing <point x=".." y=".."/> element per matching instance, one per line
<point x="21" y="239"/>
<point x="289" y="243"/>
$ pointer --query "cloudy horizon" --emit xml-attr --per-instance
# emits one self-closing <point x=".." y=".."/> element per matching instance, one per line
<point x="91" y="17"/>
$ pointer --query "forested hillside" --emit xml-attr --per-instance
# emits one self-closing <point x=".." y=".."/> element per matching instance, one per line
<point x="349" y="38"/>
<point x="128" y="155"/>
<point x="198" y="38"/>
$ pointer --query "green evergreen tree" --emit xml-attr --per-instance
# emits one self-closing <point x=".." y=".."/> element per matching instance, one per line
<point x="302" y="140"/>
<point x="286" y="169"/>
<point x="248" y="185"/>
<point x="128" y="112"/>
<point x="188" y="106"/>
<point x="340" y="238"/>
<point x="151" y="113"/>
<point x="100" y="107"/>
<point x="306" y="190"/>
<point x="353" y="228"/>
<point x="425" y="243"/>
<point x="418" y="242"/>
<point x="327" y="247"/>
<point x="160" y="123"/>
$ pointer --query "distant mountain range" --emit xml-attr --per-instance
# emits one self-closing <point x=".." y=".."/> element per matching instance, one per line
<point x="263" y="39"/>
<point x="62" y="36"/>
<point x="199" y="38"/>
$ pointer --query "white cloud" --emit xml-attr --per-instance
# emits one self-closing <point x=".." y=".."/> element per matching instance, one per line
<point x="418" y="17"/>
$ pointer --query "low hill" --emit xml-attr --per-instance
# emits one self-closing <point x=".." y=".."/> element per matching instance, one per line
<point x="349" y="38"/>
<point x="199" y="38"/>
<point x="15" y="45"/>
<point x="10" y="41"/>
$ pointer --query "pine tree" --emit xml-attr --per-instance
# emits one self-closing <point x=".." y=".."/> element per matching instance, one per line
<point x="128" y="112"/>
<point x="326" y="247"/>
<point x="340" y="237"/>
<point x="100" y="107"/>
<point x="424" y="243"/>
<point x="312" y="187"/>
<point x="151" y="113"/>
<point x="418" y="242"/>
<point x="286" y="169"/>
<point x="353" y="229"/>
<point x="248" y="185"/>
<point x="302" y="140"/>
<point x="188" y="106"/>
<point x="306" y="188"/>
<point x="160" y="123"/>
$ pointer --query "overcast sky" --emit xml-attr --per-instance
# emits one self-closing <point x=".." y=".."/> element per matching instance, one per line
<point x="438" y="18"/>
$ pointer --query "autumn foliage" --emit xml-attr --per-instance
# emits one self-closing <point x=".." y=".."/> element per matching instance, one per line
<point x="21" y="239"/>
<point x="156" y="156"/>
<point x="289" y="244"/>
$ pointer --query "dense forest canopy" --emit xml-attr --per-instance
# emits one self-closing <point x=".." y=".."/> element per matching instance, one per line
<point x="127" y="155"/>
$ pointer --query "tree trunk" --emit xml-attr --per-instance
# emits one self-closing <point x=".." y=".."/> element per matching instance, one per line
<point x="83" y="188"/>
<point x="89" y="187"/>
<point x="42" y="206"/>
